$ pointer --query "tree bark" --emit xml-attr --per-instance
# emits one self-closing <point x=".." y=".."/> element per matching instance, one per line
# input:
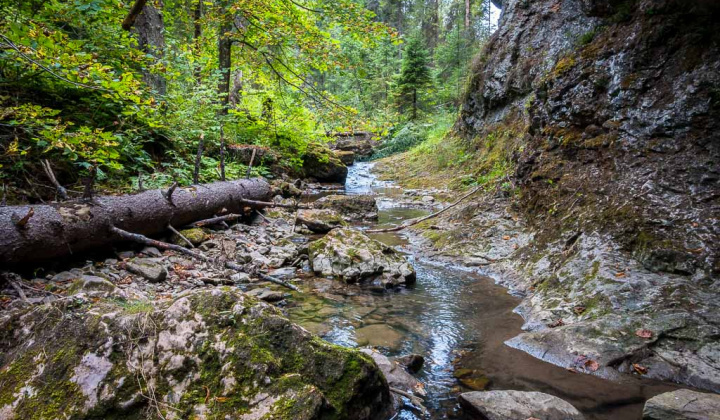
<point x="224" y="65"/>
<point x="58" y="230"/>
<point x="197" y="26"/>
<point x="151" y="39"/>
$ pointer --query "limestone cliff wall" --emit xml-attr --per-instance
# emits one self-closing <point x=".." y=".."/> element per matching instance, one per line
<point x="618" y="104"/>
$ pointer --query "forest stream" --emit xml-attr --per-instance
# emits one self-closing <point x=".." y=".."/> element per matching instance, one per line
<point x="458" y="319"/>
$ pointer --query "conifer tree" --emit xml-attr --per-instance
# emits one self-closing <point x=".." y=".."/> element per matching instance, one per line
<point x="414" y="75"/>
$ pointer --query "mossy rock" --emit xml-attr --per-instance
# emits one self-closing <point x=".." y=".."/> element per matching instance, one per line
<point x="320" y="221"/>
<point x="195" y="235"/>
<point x="323" y="164"/>
<point x="217" y="351"/>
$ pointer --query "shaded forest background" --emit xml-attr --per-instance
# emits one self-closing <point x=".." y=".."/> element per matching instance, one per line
<point x="115" y="90"/>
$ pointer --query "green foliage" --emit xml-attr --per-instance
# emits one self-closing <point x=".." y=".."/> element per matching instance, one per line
<point x="401" y="139"/>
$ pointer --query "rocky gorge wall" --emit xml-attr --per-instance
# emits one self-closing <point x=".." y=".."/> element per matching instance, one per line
<point x="610" y="116"/>
<point x="619" y="104"/>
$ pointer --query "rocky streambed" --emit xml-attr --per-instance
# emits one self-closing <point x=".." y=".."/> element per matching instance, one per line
<point x="150" y="333"/>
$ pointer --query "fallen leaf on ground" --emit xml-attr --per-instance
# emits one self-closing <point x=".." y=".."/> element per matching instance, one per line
<point x="592" y="365"/>
<point x="620" y="274"/>
<point x="557" y="323"/>
<point x="643" y="333"/>
<point x="579" y="309"/>
<point x="639" y="369"/>
<point x="506" y="237"/>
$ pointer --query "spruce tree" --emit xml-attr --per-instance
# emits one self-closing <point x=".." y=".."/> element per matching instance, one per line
<point x="414" y="75"/>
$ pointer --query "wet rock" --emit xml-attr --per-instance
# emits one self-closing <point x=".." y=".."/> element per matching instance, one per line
<point x="378" y="335"/>
<point x="283" y="273"/>
<point x="266" y="294"/>
<point x="320" y="163"/>
<point x="352" y="256"/>
<point x="396" y="375"/>
<point x="471" y="378"/>
<point x="83" y="361"/>
<point x="196" y="236"/>
<point x="320" y="221"/>
<point x="428" y="199"/>
<point x="360" y="143"/>
<point x="240" y="278"/>
<point x="412" y="362"/>
<point x="150" y="268"/>
<point x="346" y="157"/>
<point x="683" y="404"/>
<point x="514" y="405"/>
<point x="352" y="207"/>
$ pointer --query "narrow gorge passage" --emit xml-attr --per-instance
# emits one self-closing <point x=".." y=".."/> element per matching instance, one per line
<point x="457" y="319"/>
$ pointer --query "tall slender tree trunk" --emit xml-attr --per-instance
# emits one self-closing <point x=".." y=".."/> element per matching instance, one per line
<point x="197" y="26"/>
<point x="224" y="64"/>
<point x="467" y="14"/>
<point x="431" y="23"/>
<point x="151" y="39"/>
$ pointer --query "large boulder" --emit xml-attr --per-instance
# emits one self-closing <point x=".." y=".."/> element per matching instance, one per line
<point x="346" y="157"/>
<point x="208" y="354"/>
<point x="350" y="255"/>
<point x="320" y="220"/>
<point x="361" y="143"/>
<point x="683" y="404"/>
<point x="353" y="207"/>
<point x="517" y="405"/>
<point x="321" y="163"/>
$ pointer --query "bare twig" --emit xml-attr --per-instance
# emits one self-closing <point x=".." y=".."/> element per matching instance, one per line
<point x="136" y="237"/>
<point x="215" y="220"/>
<point x="21" y="222"/>
<point x="222" y="154"/>
<point x="169" y="193"/>
<point x="262" y="216"/>
<point x="252" y="158"/>
<point x="415" y="400"/>
<point x="19" y="292"/>
<point x="256" y="203"/>
<point x="175" y="231"/>
<point x="198" y="158"/>
<point x="62" y="192"/>
<point x="422" y="219"/>
<point x="89" y="182"/>
<point x="140" y="182"/>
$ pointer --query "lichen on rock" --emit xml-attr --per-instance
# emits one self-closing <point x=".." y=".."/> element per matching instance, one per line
<point x="206" y="354"/>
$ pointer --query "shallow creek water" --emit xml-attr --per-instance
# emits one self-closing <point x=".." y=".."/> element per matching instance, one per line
<point x="458" y="320"/>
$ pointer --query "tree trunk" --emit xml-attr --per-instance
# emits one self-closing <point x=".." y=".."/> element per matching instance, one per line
<point x="58" y="230"/>
<point x="414" y="103"/>
<point x="467" y="14"/>
<point x="196" y="37"/>
<point x="151" y="39"/>
<point x="431" y="23"/>
<point x="224" y="64"/>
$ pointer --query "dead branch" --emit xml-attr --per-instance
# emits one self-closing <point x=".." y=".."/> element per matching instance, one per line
<point x="215" y="220"/>
<point x="129" y="20"/>
<point x="252" y="158"/>
<point x="198" y="159"/>
<point x="255" y="203"/>
<point x="175" y="231"/>
<point x="169" y="193"/>
<point x="21" y="223"/>
<point x="222" y="154"/>
<point x="415" y="400"/>
<point x="3" y="203"/>
<point x="136" y="237"/>
<point x="62" y="192"/>
<point x="422" y="219"/>
<point x="89" y="183"/>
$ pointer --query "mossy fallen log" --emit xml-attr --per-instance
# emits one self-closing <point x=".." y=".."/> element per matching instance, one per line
<point x="57" y="230"/>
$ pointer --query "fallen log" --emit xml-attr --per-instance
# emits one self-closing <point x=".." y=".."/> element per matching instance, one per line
<point x="57" y="230"/>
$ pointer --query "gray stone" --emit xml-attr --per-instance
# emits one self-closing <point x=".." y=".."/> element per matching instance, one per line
<point x="266" y="294"/>
<point x="517" y="405"/>
<point x="124" y="255"/>
<point x="683" y="404"/>
<point x="87" y="284"/>
<point x="151" y="251"/>
<point x="152" y="270"/>
<point x="352" y="207"/>
<point x="352" y="256"/>
<point x="320" y="220"/>
<point x="64" y="276"/>
<point x="395" y="373"/>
